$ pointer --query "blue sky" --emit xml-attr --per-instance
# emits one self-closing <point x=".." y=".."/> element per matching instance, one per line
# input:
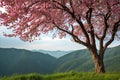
<point x="46" y="43"/>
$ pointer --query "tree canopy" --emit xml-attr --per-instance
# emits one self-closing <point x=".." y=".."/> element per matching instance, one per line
<point x="84" y="20"/>
<point x="79" y="18"/>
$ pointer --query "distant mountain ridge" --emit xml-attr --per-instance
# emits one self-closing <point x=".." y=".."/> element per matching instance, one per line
<point x="56" y="54"/>
<point x="23" y="61"/>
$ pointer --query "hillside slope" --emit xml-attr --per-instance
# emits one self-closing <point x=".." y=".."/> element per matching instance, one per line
<point x="23" y="61"/>
<point x="80" y="60"/>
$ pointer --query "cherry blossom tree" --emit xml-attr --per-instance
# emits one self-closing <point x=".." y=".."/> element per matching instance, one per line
<point x="85" y="21"/>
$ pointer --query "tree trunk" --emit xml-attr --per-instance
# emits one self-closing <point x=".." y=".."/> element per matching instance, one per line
<point x="99" y="65"/>
<point x="98" y="61"/>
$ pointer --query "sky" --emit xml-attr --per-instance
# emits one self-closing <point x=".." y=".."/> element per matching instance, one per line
<point x="46" y="43"/>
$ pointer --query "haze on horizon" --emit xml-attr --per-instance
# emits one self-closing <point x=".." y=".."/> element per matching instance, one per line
<point x="46" y="43"/>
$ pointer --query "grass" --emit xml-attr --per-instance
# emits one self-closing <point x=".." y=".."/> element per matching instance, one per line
<point x="65" y="76"/>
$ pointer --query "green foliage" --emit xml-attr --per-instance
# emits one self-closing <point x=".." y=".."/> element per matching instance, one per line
<point x="65" y="76"/>
<point x="31" y="76"/>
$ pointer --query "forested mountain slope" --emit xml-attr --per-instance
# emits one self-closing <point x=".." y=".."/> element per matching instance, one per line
<point x="23" y="61"/>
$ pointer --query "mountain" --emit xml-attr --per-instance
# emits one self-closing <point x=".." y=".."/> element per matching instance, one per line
<point x="56" y="54"/>
<point x="23" y="61"/>
<point x="80" y="60"/>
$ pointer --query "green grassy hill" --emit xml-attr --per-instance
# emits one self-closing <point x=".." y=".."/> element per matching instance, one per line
<point x="80" y="60"/>
<point x="65" y="76"/>
<point x="22" y="61"/>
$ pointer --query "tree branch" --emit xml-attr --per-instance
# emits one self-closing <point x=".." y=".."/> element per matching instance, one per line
<point x="104" y="33"/>
<point x="106" y="17"/>
<point x="74" y="17"/>
<point x="88" y="17"/>
<point x="32" y="4"/>
<point x="116" y="25"/>
<point x="76" y="39"/>
<point x="84" y="31"/>
<point x="71" y="4"/>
